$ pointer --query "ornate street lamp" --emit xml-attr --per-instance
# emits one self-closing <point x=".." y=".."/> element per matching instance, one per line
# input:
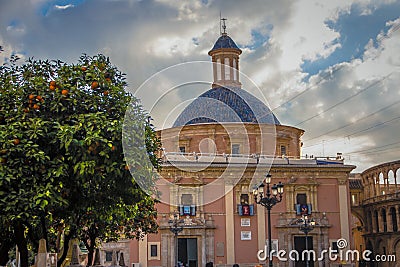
<point x="268" y="199"/>
<point x="175" y="226"/>
<point x="306" y="226"/>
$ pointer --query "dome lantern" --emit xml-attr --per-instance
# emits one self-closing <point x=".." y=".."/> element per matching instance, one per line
<point x="225" y="58"/>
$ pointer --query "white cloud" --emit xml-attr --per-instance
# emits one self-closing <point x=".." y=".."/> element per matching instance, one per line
<point x="143" y="37"/>
<point x="63" y="7"/>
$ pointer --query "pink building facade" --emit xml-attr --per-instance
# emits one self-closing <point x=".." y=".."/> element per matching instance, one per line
<point x="218" y="149"/>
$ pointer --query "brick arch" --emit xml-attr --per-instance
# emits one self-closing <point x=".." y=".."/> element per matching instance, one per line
<point x="396" y="247"/>
<point x="393" y="218"/>
<point x="391" y="177"/>
<point x="382" y="177"/>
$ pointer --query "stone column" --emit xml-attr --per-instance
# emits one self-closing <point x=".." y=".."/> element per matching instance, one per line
<point x="42" y="254"/>
<point x="75" y="256"/>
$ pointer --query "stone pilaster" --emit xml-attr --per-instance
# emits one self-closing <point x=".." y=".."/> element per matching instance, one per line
<point x="229" y="225"/>
<point x="143" y="252"/>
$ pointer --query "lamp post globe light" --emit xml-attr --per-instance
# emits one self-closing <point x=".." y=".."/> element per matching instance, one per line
<point x="306" y="226"/>
<point x="175" y="226"/>
<point x="268" y="198"/>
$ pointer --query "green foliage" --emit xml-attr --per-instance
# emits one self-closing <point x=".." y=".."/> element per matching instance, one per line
<point x="61" y="153"/>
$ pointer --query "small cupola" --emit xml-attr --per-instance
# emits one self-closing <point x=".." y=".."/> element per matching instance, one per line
<point x="225" y="58"/>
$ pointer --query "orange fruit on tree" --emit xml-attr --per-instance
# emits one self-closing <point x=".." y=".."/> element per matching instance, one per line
<point x="95" y="85"/>
<point x="16" y="141"/>
<point x="105" y="93"/>
<point x="31" y="97"/>
<point x="39" y="98"/>
<point x="83" y="68"/>
<point x="52" y="87"/>
<point x="112" y="148"/>
<point x="36" y="106"/>
<point x="64" y="92"/>
<point x="53" y="83"/>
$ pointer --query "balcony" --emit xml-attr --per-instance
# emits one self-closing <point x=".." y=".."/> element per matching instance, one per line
<point x="187" y="158"/>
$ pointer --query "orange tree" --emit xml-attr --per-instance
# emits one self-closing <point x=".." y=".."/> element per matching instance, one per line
<point x="63" y="172"/>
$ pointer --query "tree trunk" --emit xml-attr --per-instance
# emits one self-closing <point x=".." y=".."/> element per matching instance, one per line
<point x="61" y="260"/>
<point x="91" y="247"/>
<point x="4" y="249"/>
<point x="44" y="228"/>
<point x="20" y="239"/>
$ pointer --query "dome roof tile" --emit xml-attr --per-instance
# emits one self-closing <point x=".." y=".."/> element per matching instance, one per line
<point x="221" y="105"/>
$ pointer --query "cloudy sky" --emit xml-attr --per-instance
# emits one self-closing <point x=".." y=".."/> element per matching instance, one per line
<point x="328" y="67"/>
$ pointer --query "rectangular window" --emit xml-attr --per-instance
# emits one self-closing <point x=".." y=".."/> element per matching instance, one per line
<point x="234" y="70"/>
<point x="109" y="255"/>
<point x="227" y="69"/>
<point x="354" y="199"/>
<point x="244" y="199"/>
<point x="187" y="199"/>
<point x="235" y="149"/>
<point x="219" y="67"/>
<point x="283" y="151"/>
<point x="153" y="251"/>
<point x="301" y="199"/>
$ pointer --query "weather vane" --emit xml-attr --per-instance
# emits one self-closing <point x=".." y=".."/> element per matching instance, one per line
<point x="223" y="26"/>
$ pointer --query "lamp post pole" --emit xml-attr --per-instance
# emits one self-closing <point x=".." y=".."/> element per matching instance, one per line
<point x="175" y="227"/>
<point x="307" y="226"/>
<point x="270" y="198"/>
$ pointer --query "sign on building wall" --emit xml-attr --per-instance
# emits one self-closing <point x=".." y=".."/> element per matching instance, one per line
<point x="245" y="235"/>
<point x="245" y="222"/>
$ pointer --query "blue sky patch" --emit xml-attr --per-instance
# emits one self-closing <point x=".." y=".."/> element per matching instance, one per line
<point x="356" y="29"/>
<point x="259" y="38"/>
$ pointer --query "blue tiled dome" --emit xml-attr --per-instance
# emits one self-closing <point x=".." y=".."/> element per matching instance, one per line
<point x="226" y="105"/>
<point x="225" y="42"/>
